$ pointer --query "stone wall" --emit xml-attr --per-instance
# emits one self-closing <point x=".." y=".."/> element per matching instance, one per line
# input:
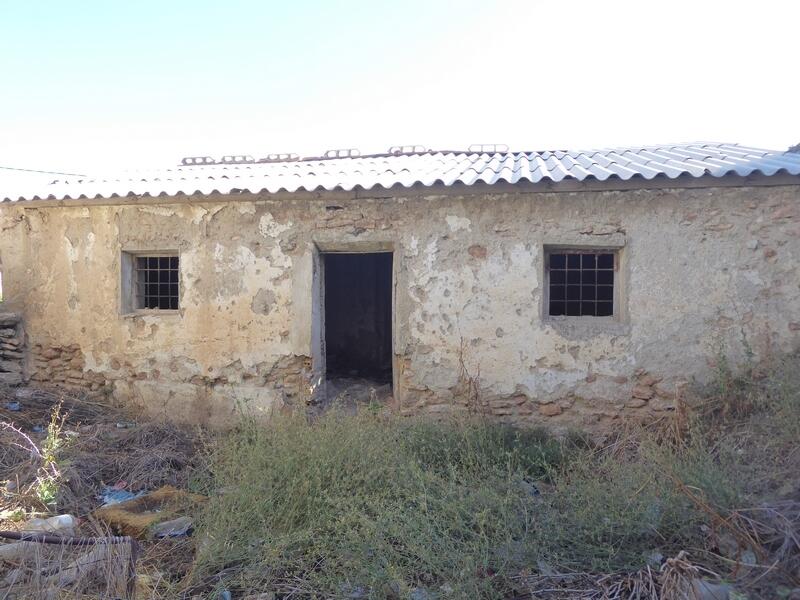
<point x="65" y="367"/>
<point x="702" y="271"/>
<point x="11" y="349"/>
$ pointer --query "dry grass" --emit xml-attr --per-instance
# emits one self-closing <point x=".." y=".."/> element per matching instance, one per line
<point x="92" y="453"/>
<point x="382" y="508"/>
<point x="103" y="567"/>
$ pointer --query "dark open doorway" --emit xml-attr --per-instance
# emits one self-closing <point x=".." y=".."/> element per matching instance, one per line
<point x="358" y="315"/>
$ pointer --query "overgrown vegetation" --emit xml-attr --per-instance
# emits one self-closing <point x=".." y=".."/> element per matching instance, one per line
<point x="46" y="456"/>
<point x="381" y="507"/>
<point x="368" y="505"/>
<point x="376" y="506"/>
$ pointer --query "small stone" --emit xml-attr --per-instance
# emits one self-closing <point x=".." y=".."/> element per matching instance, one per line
<point x="635" y="403"/>
<point x="663" y="392"/>
<point x="648" y="380"/>
<point x="550" y="410"/>
<point x="661" y="403"/>
<point x="477" y="251"/>
<point x="8" y="319"/>
<point x="10" y="366"/>
<point x="794" y="326"/>
<point x="770" y="252"/>
<point x="784" y="212"/>
<point x="752" y="244"/>
<point x="50" y="353"/>
<point x="719" y="226"/>
<point x="643" y="392"/>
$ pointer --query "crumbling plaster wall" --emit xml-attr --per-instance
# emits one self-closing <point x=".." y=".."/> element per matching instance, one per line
<point x="701" y="269"/>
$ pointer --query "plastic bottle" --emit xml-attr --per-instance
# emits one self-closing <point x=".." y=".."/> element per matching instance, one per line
<point x="57" y="524"/>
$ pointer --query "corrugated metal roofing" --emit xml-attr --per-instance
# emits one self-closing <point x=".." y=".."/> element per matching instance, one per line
<point x="427" y="169"/>
<point x="13" y="178"/>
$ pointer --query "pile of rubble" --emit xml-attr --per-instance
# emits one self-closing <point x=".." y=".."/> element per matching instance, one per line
<point x="11" y="353"/>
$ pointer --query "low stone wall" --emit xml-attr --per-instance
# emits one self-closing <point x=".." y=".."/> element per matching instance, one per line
<point x="11" y="349"/>
<point x="63" y="366"/>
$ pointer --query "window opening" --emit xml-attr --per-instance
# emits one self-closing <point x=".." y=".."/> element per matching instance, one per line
<point x="156" y="282"/>
<point x="581" y="283"/>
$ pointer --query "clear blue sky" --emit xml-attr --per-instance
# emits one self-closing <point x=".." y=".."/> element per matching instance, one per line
<point x="89" y="85"/>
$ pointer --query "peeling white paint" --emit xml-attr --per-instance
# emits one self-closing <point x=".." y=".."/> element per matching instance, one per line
<point x="90" y="239"/>
<point x="270" y="228"/>
<point x="456" y="223"/>
<point x="473" y="299"/>
<point x="198" y="214"/>
<point x="72" y="252"/>
<point x="219" y="254"/>
<point x="413" y="246"/>
<point x="162" y="211"/>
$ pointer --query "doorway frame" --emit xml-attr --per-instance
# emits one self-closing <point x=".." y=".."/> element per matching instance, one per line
<point x="318" y="358"/>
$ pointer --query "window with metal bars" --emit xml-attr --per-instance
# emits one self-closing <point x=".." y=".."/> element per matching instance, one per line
<point x="581" y="283"/>
<point x="156" y="282"/>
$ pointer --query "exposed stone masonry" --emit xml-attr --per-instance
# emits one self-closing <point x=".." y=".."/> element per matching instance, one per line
<point x="11" y="349"/>
<point x="701" y="270"/>
<point x="63" y="366"/>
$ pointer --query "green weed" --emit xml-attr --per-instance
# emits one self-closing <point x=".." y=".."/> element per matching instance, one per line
<point x="375" y="506"/>
<point x="380" y="507"/>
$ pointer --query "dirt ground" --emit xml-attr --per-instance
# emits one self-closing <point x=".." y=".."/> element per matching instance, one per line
<point x="98" y="447"/>
<point x="62" y="454"/>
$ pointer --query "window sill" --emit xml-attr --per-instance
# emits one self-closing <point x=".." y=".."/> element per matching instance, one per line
<point x="587" y="326"/>
<point x="152" y="312"/>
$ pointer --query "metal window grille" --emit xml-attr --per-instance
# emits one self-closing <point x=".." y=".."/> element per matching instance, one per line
<point x="581" y="283"/>
<point x="156" y="279"/>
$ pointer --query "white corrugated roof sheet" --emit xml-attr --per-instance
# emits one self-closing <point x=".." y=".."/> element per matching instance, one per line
<point x="425" y="169"/>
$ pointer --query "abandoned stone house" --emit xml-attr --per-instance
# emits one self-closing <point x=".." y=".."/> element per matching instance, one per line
<point x="567" y="287"/>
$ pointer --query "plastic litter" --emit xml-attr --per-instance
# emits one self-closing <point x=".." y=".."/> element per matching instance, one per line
<point x="64" y="524"/>
<point x="125" y="424"/>
<point x="37" y="429"/>
<point x="115" y="495"/>
<point x="137" y="517"/>
<point x="13" y="406"/>
<point x="182" y="526"/>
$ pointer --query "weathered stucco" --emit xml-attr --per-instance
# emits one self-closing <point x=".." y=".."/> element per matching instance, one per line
<point x="701" y="269"/>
